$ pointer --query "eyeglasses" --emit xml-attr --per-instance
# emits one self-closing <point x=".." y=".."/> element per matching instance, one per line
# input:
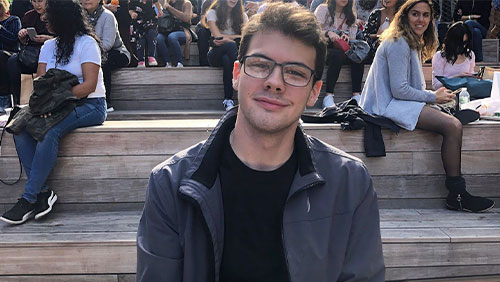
<point x="294" y="74"/>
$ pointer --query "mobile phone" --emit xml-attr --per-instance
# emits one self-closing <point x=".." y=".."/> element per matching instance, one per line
<point x="31" y="32"/>
<point x="219" y="38"/>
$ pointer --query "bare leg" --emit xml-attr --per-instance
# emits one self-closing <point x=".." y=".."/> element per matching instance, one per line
<point x="451" y="129"/>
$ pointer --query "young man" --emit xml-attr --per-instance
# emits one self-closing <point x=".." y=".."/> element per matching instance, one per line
<point x="260" y="200"/>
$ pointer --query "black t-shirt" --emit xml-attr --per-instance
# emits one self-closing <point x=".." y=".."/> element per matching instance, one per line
<point x="253" y="215"/>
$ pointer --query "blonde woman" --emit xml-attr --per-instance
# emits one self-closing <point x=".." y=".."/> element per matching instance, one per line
<point x="395" y="88"/>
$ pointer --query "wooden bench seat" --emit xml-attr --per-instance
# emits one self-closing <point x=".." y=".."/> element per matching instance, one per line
<point x="198" y="88"/>
<point x="417" y="244"/>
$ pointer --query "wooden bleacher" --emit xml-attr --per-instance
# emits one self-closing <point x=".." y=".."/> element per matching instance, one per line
<point x="101" y="188"/>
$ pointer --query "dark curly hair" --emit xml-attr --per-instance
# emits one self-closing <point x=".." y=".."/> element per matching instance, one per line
<point x="67" y="19"/>
<point x="223" y="12"/>
<point x="349" y="11"/>
<point x="454" y="45"/>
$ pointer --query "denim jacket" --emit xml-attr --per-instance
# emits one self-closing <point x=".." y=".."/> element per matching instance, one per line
<point x="330" y="225"/>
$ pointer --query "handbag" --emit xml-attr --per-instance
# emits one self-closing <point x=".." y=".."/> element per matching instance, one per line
<point x="167" y="23"/>
<point x="341" y="44"/>
<point x="477" y="88"/>
<point x="28" y="59"/>
<point x="358" y="50"/>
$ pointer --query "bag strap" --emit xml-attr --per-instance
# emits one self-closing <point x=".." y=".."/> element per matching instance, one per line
<point x="1" y="137"/>
<point x="341" y="24"/>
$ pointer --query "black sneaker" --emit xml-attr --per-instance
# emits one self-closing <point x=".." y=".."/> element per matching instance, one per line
<point x="467" y="202"/>
<point x="44" y="203"/>
<point x="21" y="212"/>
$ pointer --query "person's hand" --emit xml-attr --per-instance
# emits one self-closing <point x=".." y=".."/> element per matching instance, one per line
<point x="475" y="17"/>
<point x="46" y="115"/>
<point x="465" y="74"/>
<point x="222" y="41"/>
<point x="133" y="14"/>
<point x="194" y="15"/>
<point x="22" y="34"/>
<point x="345" y="37"/>
<point x="111" y="7"/>
<point x="252" y="7"/>
<point x="333" y="36"/>
<point x="41" y="38"/>
<point x="160" y="13"/>
<point x="360" y="23"/>
<point x="444" y="95"/>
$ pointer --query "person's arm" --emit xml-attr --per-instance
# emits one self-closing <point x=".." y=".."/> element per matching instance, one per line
<point x="158" y="7"/>
<point x="372" y="26"/>
<point x="438" y="63"/>
<point x="159" y="252"/>
<point x="185" y="15"/>
<point x="90" y="73"/>
<point x="109" y="31"/>
<point x="364" y="260"/>
<point x="398" y="54"/>
<point x="321" y="13"/>
<point x="8" y="33"/>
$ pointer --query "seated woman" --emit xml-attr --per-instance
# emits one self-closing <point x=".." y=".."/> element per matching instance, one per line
<point x="225" y="19"/>
<point x="115" y="53"/>
<point x="33" y="18"/>
<point x="476" y="14"/>
<point x="456" y="58"/>
<point x="395" y="89"/>
<point x="182" y="11"/>
<point x="338" y="21"/>
<point x="378" y="21"/>
<point x="76" y="50"/>
<point x="9" y="27"/>
<point x="144" y="29"/>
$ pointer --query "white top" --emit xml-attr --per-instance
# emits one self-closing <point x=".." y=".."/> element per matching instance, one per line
<point x="440" y="67"/>
<point x="212" y="17"/>
<point x="86" y="50"/>
<point x="325" y="20"/>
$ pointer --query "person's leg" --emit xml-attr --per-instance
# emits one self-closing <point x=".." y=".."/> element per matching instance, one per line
<point x="44" y="156"/>
<point x="175" y="39"/>
<point x="15" y="77"/>
<point x="477" y="38"/>
<point x="161" y="42"/>
<point x="230" y="55"/>
<point x="335" y="60"/>
<point x="151" y="42"/>
<point x="450" y="128"/>
<point x="357" y="71"/>
<point x="140" y="49"/>
<point x="114" y="60"/>
<point x="203" y="46"/>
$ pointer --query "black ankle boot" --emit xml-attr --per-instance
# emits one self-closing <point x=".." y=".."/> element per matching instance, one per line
<point x="460" y="199"/>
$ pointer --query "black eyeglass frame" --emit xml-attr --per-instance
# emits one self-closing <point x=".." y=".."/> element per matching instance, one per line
<point x="281" y="65"/>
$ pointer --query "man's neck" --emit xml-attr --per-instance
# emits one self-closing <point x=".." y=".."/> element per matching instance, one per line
<point x="259" y="150"/>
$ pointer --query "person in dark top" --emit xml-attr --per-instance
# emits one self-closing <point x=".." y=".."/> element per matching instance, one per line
<point x="260" y="200"/>
<point x="123" y="18"/>
<point x="475" y="14"/>
<point x="33" y="18"/>
<point x="9" y="27"/>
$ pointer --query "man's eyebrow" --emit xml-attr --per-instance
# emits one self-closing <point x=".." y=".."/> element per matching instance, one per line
<point x="289" y="62"/>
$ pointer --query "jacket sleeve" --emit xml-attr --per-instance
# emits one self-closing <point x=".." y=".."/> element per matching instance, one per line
<point x="9" y="33"/>
<point x="159" y="252"/>
<point x="110" y="29"/>
<point x="398" y="73"/>
<point x="364" y="260"/>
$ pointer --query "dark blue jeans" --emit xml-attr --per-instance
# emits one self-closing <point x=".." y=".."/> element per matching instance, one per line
<point x="148" y="39"/>
<point x="478" y="33"/>
<point x="172" y="43"/>
<point x="224" y="56"/>
<point x="38" y="158"/>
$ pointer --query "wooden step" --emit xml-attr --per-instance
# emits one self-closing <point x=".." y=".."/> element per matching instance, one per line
<point x="417" y="244"/>
<point x="107" y="167"/>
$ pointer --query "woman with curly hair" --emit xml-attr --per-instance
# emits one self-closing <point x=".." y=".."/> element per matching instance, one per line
<point x="225" y="19"/>
<point x="75" y="50"/>
<point x="337" y="19"/>
<point x="456" y="58"/>
<point x="395" y="89"/>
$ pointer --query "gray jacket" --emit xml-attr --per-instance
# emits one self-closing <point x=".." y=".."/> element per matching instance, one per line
<point x="330" y="223"/>
<point x="106" y="29"/>
<point x="395" y="85"/>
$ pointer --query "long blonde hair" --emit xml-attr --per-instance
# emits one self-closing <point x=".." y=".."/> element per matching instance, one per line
<point x="400" y="27"/>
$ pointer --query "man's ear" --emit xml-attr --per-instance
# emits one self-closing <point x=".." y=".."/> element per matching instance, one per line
<point x="236" y="74"/>
<point x="314" y="94"/>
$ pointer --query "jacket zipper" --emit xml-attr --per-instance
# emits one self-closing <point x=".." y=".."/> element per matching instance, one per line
<point x="283" y="229"/>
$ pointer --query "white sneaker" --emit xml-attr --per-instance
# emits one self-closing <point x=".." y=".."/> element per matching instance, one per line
<point x="228" y="104"/>
<point x="110" y="110"/>
<point x="180" y="65"/>
<point x="328" y="101"/>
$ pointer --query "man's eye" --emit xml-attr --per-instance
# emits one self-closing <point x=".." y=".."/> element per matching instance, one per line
<point x="296" y="73"/>
<point x="260" y="65"/>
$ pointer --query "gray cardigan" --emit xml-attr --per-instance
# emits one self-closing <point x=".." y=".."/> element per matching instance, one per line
<point x="107" y="30"/>
<point x="395" y="86"/>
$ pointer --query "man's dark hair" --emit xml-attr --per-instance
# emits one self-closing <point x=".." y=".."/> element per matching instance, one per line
<point x="292" y="21"/>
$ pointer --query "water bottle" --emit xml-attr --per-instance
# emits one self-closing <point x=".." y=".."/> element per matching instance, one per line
<point x="386" y="24"/>
<point x="463" y="97"/>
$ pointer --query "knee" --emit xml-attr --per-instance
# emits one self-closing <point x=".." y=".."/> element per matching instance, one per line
<point x="454" y="128"/>
<point x="477" y="33"/>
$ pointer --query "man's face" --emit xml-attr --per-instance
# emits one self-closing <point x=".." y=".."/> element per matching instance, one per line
<point x="269" y="104"/>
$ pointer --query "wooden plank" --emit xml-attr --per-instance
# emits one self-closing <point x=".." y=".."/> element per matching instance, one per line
<point x="465" y="234"/>
<point x="490" y="50"/>
<point x="478" y="162"/>
<point x="126" y="278"/>
<point x="429" y="235"/>
<point x="61" y="278"/>
<point x="488" y="278"/>
<point x="405" y="273"/>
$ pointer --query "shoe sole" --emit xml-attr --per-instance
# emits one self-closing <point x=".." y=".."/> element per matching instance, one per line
<point x="467" y="210"/>
<point x="25" y="217"/>
<point x="51" y="201"/>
